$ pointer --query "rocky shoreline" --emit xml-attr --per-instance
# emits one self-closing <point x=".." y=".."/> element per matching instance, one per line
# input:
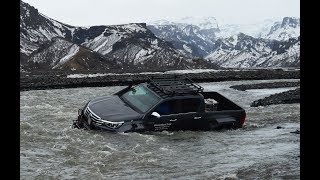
<point x="59" y="81"/>
<point x="288" y="97"/>
<point x="292" y="96"/>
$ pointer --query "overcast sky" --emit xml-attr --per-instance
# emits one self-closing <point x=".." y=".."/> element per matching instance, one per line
<point x="107" y="12"/>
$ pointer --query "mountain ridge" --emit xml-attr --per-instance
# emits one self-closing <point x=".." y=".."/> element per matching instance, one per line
<point x="271" y="33"/>
<point x="132" y="45"/>
<point x="191" y="42"/>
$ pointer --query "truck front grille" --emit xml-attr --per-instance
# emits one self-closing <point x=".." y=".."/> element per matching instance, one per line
<point x="89" y="114"/>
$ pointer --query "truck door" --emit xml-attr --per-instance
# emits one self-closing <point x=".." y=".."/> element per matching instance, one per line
<point x="169" y="117"/>
<point x="191" y="118"/>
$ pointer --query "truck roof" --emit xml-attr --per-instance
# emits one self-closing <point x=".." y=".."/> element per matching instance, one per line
<point x="173" y="85"/>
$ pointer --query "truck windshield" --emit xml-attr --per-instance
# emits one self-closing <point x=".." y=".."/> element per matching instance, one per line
<point x="141" y="98"/>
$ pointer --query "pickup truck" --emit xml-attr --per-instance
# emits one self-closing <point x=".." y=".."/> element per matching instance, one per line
<point x="162" y="103"/>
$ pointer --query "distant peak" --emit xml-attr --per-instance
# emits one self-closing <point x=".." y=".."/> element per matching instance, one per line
<point x="204" y="22"/>
<point x="290" y="21"/>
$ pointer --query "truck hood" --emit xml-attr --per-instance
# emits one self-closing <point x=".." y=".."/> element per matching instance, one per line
<point x="112" y="108"/>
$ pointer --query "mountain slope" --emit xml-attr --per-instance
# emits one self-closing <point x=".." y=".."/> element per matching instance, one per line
<point x="60" y="53"/>
<point x="36" y="29"/>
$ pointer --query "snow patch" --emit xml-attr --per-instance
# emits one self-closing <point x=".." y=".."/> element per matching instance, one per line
<point x="187" y="48"/>
<point x="233" y="40"/>
<point x="134" y="28"/>
<point x="141" y="56"/>
<point x="102" y="44"/>
<point x="45" y="33"/>
<point x="154" y="44"/>
<point x="73" y="51"/>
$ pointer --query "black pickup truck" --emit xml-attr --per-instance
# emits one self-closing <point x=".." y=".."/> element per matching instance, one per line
<point x="162" y="103"/>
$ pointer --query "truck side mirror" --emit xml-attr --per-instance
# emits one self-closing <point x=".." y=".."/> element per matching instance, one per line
<point x="155" y="114"/>
<point x="130" y="83"/>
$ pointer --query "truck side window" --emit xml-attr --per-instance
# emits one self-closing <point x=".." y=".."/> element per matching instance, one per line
<point x="167" y="107"/>
<point x="189" y="105"/>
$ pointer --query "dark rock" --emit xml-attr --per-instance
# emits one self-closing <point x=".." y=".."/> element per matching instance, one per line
<point x="296" y="132"/>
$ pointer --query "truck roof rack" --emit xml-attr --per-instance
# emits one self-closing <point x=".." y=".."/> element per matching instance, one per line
<point x="173" y="85"/>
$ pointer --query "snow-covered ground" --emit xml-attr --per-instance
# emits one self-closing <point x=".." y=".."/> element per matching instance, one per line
<point x="187" y="71"/>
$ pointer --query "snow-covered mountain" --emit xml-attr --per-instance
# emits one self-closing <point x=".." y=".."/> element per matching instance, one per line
<point x="176" y="44"/>
<point x="236" y="45"/>
<point x="246" y="51"/>
<point x="289" y="27"/>
<point x="130" y="45"/>
<point x="276" y="29"/>
<point x="191" y="36"/>
<point x="254" y="29"/>
<point x="190" y="40"/>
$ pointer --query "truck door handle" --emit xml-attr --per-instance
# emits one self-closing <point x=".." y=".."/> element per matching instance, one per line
<point x="173" y="119"/>
<point x="197" y="117"/>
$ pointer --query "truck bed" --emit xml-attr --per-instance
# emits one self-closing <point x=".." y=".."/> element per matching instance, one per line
<point x="220" y="103"/>
<point x="223" y="112"/>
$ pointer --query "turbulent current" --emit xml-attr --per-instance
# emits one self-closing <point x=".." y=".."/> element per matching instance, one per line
<point x="51" y="149"/>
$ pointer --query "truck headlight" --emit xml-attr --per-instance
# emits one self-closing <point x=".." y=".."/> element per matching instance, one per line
<point x="111" y="124"/>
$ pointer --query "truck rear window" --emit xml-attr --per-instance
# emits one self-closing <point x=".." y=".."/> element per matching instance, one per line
<point x="177" y="106"/>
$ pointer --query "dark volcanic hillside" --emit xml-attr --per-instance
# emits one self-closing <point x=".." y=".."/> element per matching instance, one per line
<point x="130" y="46"/>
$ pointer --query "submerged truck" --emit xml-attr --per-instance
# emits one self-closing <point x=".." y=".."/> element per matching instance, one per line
<point x="162" y="103"/>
